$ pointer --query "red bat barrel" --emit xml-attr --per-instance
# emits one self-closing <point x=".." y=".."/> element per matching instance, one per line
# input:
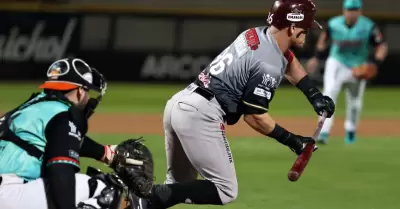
<point x="300" y="163"/>
<point x="302" y="160"/>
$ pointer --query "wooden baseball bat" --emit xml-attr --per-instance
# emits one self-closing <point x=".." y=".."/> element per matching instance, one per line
<point x="302" y="160"/>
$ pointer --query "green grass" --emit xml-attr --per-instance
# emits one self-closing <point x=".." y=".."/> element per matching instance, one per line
<point x="360" y="176"/>
<point x="151" y="98"/>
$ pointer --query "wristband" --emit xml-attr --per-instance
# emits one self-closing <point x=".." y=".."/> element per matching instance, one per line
<point x="280" y="134"/>
<point x="308" y="88"/>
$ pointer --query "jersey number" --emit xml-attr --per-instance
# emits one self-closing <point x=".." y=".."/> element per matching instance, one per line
<point x="221" y="62"/>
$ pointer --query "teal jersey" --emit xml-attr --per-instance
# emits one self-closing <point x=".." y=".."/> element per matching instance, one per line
<point x="29" y="124"/>
<point x="351" y="46"/>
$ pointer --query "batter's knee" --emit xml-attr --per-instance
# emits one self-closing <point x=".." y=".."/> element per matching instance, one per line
<point x="228" y="191"/>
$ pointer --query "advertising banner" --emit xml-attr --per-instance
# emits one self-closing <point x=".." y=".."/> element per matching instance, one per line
<point x="31" y="41"/>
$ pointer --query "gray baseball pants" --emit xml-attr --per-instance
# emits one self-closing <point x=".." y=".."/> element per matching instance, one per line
<point x="195" y="143"/>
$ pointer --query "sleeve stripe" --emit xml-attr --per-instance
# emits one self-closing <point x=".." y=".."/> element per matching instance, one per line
<point x="67" y="160"/>
<point x="255" y="106"/>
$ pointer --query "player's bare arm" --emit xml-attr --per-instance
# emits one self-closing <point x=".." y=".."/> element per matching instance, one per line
<point x="381" y="48"/>
<point x="368" y="70"/>
<point x="295" y="71"/>
<point x="256" y="101"/>
<point x="264" y="124"/>
<point x="322" y="39"/>
<point x="102" y="153"/>
<point x="381" y="51"/>
<point x="296" y="75"/>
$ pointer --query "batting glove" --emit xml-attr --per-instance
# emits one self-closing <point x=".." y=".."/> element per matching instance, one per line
<point x="323" y="104"/>
<point x="297" y="143"/>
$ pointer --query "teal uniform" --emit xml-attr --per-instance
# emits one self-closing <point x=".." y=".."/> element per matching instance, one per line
<point x="29" y="124"/>
<point x="350" y="46"/>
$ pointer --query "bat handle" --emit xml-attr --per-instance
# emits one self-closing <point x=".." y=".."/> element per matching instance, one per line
<point x="321" y="122"/>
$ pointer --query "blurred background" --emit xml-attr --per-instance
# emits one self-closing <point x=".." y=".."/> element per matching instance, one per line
<point x="152" y="40"/>
<point x="149" y="49"/>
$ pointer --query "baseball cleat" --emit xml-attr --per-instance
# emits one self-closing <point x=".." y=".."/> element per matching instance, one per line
<point x="323" y="138"/>
<point x="350" y="137"/>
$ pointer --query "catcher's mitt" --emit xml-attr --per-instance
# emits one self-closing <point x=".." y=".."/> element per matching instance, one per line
<point x="365" y="71"/>
<point x="134" y="165"/>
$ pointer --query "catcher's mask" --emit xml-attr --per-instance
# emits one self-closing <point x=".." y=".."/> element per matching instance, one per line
<point x="72" y="73"/>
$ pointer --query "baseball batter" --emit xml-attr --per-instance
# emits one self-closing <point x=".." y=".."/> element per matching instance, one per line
<point x="242" y="80"/>
<point x="42" y="140"/>
<point x="351" y="35"/>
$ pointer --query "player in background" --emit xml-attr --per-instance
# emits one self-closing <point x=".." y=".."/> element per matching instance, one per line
<point x="352" y="37"/>
<point x="241" y="81"/>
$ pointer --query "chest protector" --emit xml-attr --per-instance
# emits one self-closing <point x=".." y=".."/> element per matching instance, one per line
<point x="22" y="138"/>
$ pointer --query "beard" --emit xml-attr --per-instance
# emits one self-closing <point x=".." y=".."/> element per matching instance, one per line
<point x="298" y="42"/>
<point x="81" y="105"/>
<point x="90" y="107"/>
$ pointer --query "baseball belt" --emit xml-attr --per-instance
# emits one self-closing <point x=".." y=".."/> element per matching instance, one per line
<point x="207" y="94"/>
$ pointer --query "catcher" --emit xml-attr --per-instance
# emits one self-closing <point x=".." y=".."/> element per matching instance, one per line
<point x="42" y="140"/>
<point x="349" y="64"/>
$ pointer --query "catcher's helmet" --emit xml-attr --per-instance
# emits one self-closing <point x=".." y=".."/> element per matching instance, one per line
<point x="298" y="13"/>
<point x="71" y="73"/>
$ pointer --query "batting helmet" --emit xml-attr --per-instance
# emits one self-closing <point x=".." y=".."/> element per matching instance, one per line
<point x="298" y="13"/>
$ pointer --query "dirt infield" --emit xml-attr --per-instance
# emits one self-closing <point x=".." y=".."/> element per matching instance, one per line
<point x="128" y="123"/>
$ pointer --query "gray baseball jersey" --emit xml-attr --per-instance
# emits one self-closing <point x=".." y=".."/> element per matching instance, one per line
<point x="243" y="78"/>
<point x="245" y="75"/>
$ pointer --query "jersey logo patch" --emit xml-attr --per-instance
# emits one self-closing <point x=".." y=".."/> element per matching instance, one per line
<point x="252" y="39"/>
<point x="74" y="132"/>
<point x="269" y="81"/>
<point x="262" y="93"/>
<point x="73" y="154"/>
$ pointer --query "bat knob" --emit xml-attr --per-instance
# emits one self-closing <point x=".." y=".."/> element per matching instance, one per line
<point x="293" y="176"/>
